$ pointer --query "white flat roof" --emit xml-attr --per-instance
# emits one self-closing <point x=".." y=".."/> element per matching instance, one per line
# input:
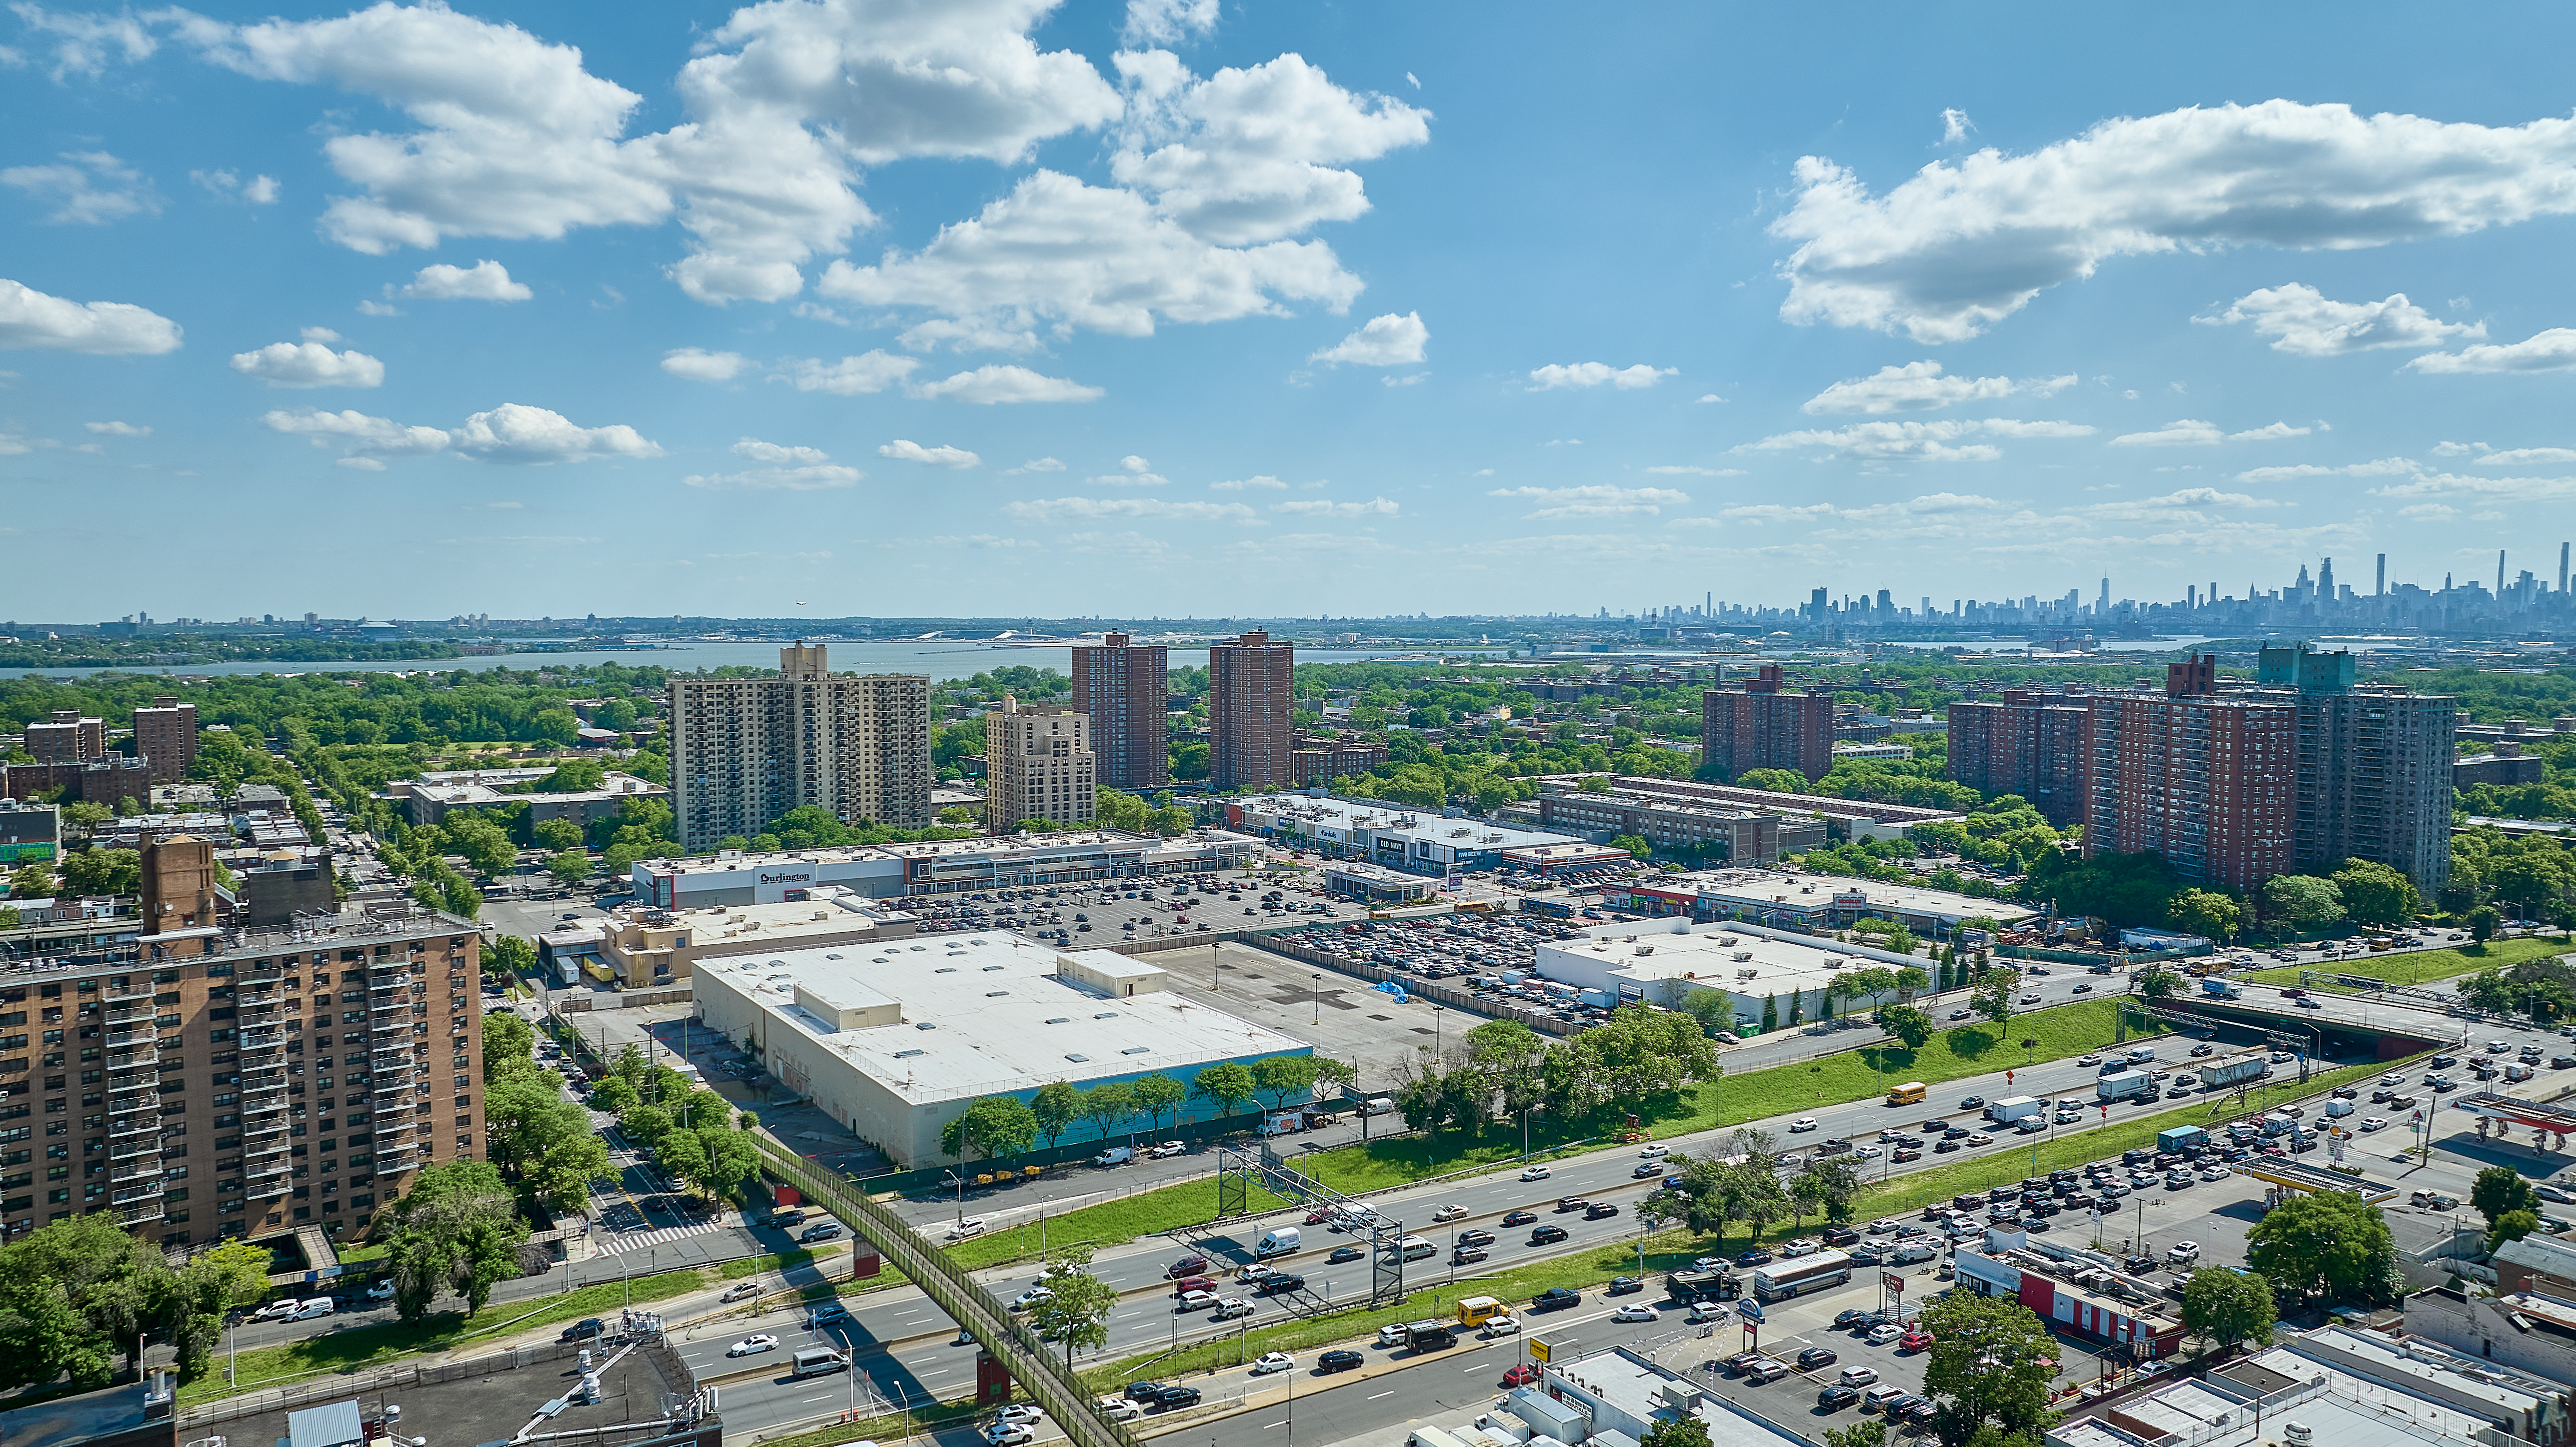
<point x="1715" y="955"/>
<point x="830" y="909"/>
<point x="1377" y="816"/>
<point x="1017" y="845"/>
<point x="985" y="1014"/>
<point x="1766" y="886"/>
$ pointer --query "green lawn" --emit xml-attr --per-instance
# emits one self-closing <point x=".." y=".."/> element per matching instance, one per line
<point x="1971" y="1048"/>
<point x="371" y="1346"/>
<point x="1106" y="1224"/>
<point x="2419" y="967"/>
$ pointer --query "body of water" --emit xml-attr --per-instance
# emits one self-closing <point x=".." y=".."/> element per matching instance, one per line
<point x="942" y="660"/>
<point x="2116" y="645"/>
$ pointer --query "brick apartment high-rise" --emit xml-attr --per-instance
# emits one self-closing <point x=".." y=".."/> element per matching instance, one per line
<point x="1038" y="764"/>
<point x="746" y="750"/>
<point x="2374" y="767"/>
<point x="1250" y="718"/>
<point x="2035" y="745"/>
<point x="206" y="1083"/>
<point x="67" y="738"/>
<point x="1125" y="689"/>
<point x="1760" y="726"/>
<point x="166" y="735"/>
<point x="2209" y="782"/>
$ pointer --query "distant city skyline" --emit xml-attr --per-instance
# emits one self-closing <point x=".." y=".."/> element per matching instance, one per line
<point x="1171" y="307"/>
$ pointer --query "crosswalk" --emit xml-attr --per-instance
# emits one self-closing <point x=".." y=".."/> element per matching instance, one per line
<point x="639" y="1240"/>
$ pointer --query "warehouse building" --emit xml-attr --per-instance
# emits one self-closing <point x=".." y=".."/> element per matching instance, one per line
<point x="1667" y="962"/>
<point x="1815" y="902"/>
<point x="897" y="1039"/>
<point x="1398" y="836"/>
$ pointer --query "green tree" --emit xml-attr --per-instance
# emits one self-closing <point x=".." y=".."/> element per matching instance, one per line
<point x="994" y="1125"/>
<point x="2324" y="1249"/>
<point x="1991" y="1364"/>
<point x="575" y="776"/>
<point x="556" y="834"/>
<point x="510" y="955"/>
<point x="1868" y="1432"/>
<point x="2223" y="1308"/>
<point x="2374" y="894"/>
<point x="509" y="1047"/>
<point x="33" y="880"/>
<point x="1906" y="1023"/>
<point x="613" y="1096"/>
<point x="543" y="1140"/>
<point x="1288" y="1080"/>
<point x="483" y="843"/>
<point x="682" y="1156"/>
<point x="1075" y="1311"/>
<point x="2499" y="1189"/>
<point x="1056" y="1106"/>
<point x="644" y="1124"/>
<point x="2303" y="901"/>
<point x="1770" y="1013"/>
<point x="2483" y="922"/>
<point x="1997" y="995"/>
<point x="102" y="871"/>
<point x="1686" y="1430"/>
<point x="570" y="867"/>
<point x="2156" y="982"/>
<point x="2206" y="912"/>
<point x="732" y="1157"/>
<point x="1157" y="1093"/>
<point x="2512" y="1226"/>
<point x="1108" y="1106"/>
<point x="70" y="1293"/>
<point x="456" y="1228"/>
<point x="1635" y="844"/>
<point x="213" y="1283"/>
<point x="1226" y="1088"/>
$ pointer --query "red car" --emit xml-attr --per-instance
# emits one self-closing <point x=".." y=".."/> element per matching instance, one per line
<point x="1521" y="1374"/>
<point x="1186" y="1266"/>
<point x="1914" y="1341"/>
<point x="1188" y="1284"/>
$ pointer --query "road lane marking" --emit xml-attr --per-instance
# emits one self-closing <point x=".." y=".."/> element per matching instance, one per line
<point x="1389" y="1392"/>
<point x="1282" y="1422"/>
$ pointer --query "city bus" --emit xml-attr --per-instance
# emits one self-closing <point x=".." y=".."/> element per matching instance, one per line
<point x="1910" y="1093"/>
<point x="1801" y="1274"/>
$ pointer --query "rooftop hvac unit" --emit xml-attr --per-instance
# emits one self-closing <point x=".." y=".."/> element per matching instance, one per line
<point x="2298" y="1432"/>
<point x="1740" y="957"/>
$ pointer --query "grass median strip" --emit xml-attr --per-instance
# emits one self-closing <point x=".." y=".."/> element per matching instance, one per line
<point x="2420" y="967"/>
<point x="1107" y="1224"/>
<point x="1966" y="1049"/>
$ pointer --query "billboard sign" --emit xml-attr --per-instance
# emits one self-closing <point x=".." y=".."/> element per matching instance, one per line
<point x="1894" y="1282"/>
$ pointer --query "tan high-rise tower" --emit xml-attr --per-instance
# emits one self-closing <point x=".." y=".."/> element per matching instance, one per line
<point x="1038" y="764"/>
<point x="746" y="750"/>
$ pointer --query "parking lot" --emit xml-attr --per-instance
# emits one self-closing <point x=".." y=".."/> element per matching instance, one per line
<point x="1133" y="910"/>
<point x="1343" y="1017"/>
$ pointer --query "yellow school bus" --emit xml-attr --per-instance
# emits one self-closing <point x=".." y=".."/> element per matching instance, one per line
<point x="1910" y="1093"/>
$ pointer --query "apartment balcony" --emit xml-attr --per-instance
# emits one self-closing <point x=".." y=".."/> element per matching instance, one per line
<point x="273" y="1053"/>
<point x="138" y="1193"/>
<point x="145" y="1081"/>
<point x="130" y="1057"/>
<point x="392" y="1126"/>
<point x="263" y="1167"/>
<point x="266" y="972"/>
<point x="260" y="1014"/>
<point x="145" y="1121"/>
<point x="258" y="1190"/>
<point x="394" y="1160"/>
<point x="267" y="1127"/>
<point x="131" y="1011"/>
<point x="139" y="1215"/>
<point x="398" y="1057"/>
<point x="136" y="1143"/>
<point x="134" y="1169"/>
<point x="135" y="1032"/>
<point x="116" y="994"/>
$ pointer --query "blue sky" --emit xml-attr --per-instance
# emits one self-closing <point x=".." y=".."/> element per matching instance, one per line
<point x="995" y="307"/>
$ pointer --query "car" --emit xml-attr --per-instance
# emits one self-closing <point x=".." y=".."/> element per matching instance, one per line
<point x="1645" y="1169"/>
<point x="2030" y="999"/>
<point x="1010" y="1434"/>
<point x="1814" y="1357"/>
<point x="1173" y="1399"/>
<point x="1196" y="1301"/>
<point x="1556" y="1298"/>
<point x="1656" y="1152"/>
<point x="1269" y="1362"/>
<point x="740" y="1291"/>
<point x="1536" y="1173"/>
<point x="1521" y="1374"/>
<point x="1803" y="1246"/>
<point x="2200" y="1050"/>
<point x="278" y="1310"/>
<point x="2088" y="1060"/>
<point x="2081" y="989"/>
<point x="1845" y="1320"/>
<point x="1447" y="1214"/>
<point x="1519" y="1218"/>
<point x="1501" y="1325"/>
<point x="1345" y="1253"/>
<point x="1834" y="1399"/>
<point x="1030" y="1298"/>
<point x="1961" y="1014"/>
<point x="1971" y="1102"/>
<point x="1119" y="1409"/>
<point x="1188" y="1284"/>
<point x="2214" y="1173"/>
<point x="1802" y="1125"/>
<point x="1623" y="1285"/>
<point x="2183" y="1253"/>
<point x="1857" y="1375"/>
<point x="1598" y="1210"/>
<point x="1186" y="1266"/>
<point x="1914" y="1341"/>
<point x="1343" y="1360"/>
<point x="1754" y="1257"/>
<point x="1468" y="1255"/>
<point x="584" y="1329"/>
<point x="1883" y="1333"/>
<point x="1546" y="1235"/>
<point x="382" y="1290"/>
<point x="1636" y="1313"/>
<point x="830" y="1313"/>
<point x="759" y="1341"/>
<point x="1946" y="1143"/>
<point x="1980" y="1138"/>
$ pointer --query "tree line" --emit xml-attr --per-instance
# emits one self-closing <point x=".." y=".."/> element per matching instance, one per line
<point x="1006" y="1125"/>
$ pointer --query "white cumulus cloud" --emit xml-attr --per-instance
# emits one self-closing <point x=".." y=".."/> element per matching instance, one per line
<point x="1263" y="483"/>
<point x="1686" y="470"/>
<point x="1962" y="244"/>
<point x="2302" y="321"/>
<point x="1921" y="387"/>
<point x="812" y="478"/>
<point x="1595" y="500"/>
<point x="699" y="365"/>
<point x="871" y="371"/>
<point x="2187" y="432"/>
<point x="1580" y="375"/>
<point x="258" y="191"/>
<point x="777" y="454"/>
<point x="118" y="429"/>
<point x="1062" y="508"/>
<point x="483" y="281"/>
<point x="1943" y="441"/>
<point x="998" y="384"/>
<point x="2525" y="456"/>
<point x="1035" y="464"/>
<point x="1166" y="22"/>
<point x="309" y="364"/>
<point x="1387" y="341"/>
<point x="32" y="321"/>
<point x="357" y="433"/>
<point x="516" y="432"/>
<point x="904" y="450"/>
<point x="1321" y="507"/>
<point x="2550" y="351"/>
<point x="2384" y="467"/>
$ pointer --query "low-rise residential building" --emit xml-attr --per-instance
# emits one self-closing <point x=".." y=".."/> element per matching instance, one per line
<point x="1746" y="836"/>
<point x="2282" y="1398"/>
<point x="1614" y="1398"/>
<point x="1320" y="759"/>
<point x="1844" y="818"/>
<point x="897" y="1039"/>
<point x="429" y="802"/>
<point x="2507" y="764"/>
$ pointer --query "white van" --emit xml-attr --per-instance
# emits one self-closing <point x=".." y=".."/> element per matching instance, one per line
<point x="313" y="1307"/>
<point x="1414" y="1248"/>
<point x="2337" y="1108"/>
<point x="1277" y="1243"/>
<point x="1380" y="1105"/>
<point x="2142" y="1054"/>
<point x="817" y="1362"/>
<point x="1114" y="1156"/>
<point x="1285" y="1123"/>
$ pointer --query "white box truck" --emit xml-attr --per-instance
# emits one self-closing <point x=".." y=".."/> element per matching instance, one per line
<point x="2126" y="1085"/>
<point x="1278" y="1242"/>
<point x="2013" y="1108"/>
<point x="2338" y="1108"/>
<point x="1284" y="1123"/>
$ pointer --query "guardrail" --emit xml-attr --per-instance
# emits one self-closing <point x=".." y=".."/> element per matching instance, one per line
<point x="1030" y="1361"/>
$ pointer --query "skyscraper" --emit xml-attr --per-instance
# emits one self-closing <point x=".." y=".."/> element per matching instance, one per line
<point x="2374" y="767"/>
<point x="1038" y="765"/>
<point x="1125" y="687"/>
<point x="1761" y="727"/>
<point x="1250" y="687"/>
<point x="746" y="750"/>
